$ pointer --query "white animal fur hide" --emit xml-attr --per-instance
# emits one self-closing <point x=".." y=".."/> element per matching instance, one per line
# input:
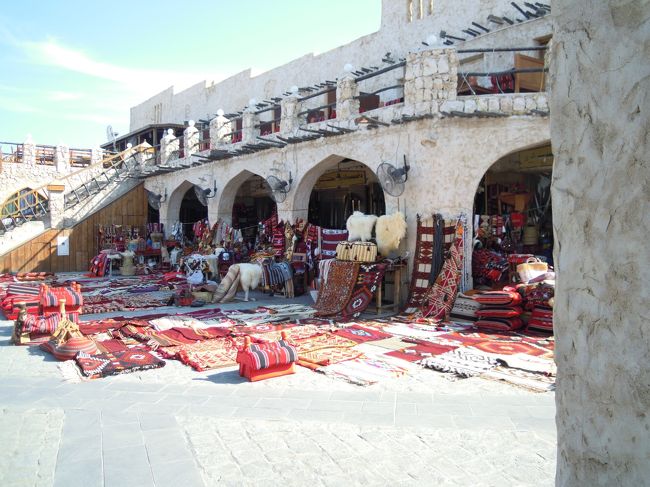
<point x="360" y="226"/>
<point x="250" y="277"/>
<point x="390" y="230"/>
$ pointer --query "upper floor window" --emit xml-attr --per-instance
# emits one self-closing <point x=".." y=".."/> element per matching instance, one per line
<point x="418" y="9"/>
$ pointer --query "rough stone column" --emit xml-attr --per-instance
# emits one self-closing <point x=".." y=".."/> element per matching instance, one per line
<point x="29" y="151"/>
<point x="290" y="107"/>
<point x="347" y="106"/>
<point x="168" y="145"/>
<point x="56" y="204"/>
<point x="191" y="139"/>
<point x="430" y="78"/>
<point x="599" y="103"/>
<point x="220" y="128"/>
<point x="144" y="154"/>
<point x="96" y="155"/>
<point x="62" y="158"/>
<point x="249" y="132"/>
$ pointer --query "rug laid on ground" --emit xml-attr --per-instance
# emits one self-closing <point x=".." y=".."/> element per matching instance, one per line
<point x="361" y="334"/>
<point x="115" y="363"/>
<point x="325" y="349"/>
<point x="364" y="371"/>
<point x="336" y="291"/>
<point x="368" y="279"/>
<point x="207" y="355"/>
<point x="463" y="362"/>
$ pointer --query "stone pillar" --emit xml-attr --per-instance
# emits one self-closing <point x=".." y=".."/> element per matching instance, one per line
<point x="191" y="139"/>
<point x="220" y="130"/>
<point x="347" y="106"/>
<point x="62" y="158"/>
<point x="168" y="145"/>
<point x="290" y="107"/>
<point x="145" y="152"/>
<point x="96" y="155"/>
<point x="249" y="120"/>
<point x="600" y="79"/>
<point x="29" y="151"/>
<point x="56" y="204"/>
<point x="430" y="78"/>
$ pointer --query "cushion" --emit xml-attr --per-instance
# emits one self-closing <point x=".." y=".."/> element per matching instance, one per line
<point x="52" y="296"/>
<point x="465" y="307"/>
<point x="499" y="312"/>
<point x="507" y="297"/>
<point x="69" y="349"/>
<point x="501" y="324"/>
<point x="266" y="355"/>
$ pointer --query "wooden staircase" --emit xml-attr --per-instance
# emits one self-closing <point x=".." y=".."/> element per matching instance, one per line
<point x="34" y="204"/>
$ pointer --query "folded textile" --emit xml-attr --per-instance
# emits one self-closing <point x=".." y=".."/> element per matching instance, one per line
<point x="115" y="363"/>
<point x="499" y="312"/>
<point x="206" y="355"/>
<point x="464" y="308"/>
<point x="462" y="362"/>
<point x="330" y="238"/>
<point x="507" y="297"/>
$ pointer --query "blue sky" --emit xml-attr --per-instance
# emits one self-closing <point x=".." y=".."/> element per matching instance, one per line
<point x="70" y="68"/>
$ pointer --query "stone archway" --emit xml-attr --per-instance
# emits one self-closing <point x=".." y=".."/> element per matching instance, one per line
<point x="229" y="193"/>
<point x="513" y="198"/>
<point x="305" y="186"/>
<point x="170" y="211"/>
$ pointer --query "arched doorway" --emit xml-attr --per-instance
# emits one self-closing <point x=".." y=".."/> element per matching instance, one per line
<point x="191" y="211"/>
<point x="340" y="190"/>
<point x="512" y="209"/>
<point x="253" y="204"/>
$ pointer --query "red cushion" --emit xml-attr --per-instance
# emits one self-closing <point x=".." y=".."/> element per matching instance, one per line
<point x="498" y="298"/>
<point x="499" y="312"/>
<point x="501" y="324"/>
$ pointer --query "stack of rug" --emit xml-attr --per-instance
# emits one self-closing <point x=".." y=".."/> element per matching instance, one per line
<point x="499" y="310"/>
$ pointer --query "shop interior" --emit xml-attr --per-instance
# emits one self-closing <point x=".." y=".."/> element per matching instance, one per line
<point x="350" y="186"/>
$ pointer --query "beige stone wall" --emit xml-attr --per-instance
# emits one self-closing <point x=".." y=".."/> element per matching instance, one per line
<point x="396" y="36"/>
<point x="600" y="122"/>
<point x="448" y="158"/>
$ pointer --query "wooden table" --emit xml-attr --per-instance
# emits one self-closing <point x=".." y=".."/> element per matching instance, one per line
<point x="396" y="272"/>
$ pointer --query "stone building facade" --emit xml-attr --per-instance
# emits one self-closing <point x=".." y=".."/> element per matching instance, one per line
<point x="449" y="140"/>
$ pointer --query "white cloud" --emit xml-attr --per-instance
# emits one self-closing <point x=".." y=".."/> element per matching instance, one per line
<point x="139" y="81"/>
<point x="63" y="96"/>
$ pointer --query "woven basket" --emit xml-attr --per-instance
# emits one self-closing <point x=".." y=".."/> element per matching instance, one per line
<point x="203" y="296"/>
<point x="356" y="251"/>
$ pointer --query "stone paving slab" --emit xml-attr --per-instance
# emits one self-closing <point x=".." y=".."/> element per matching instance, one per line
<point x="174" y="426"/>
<point x="367" y="455"/>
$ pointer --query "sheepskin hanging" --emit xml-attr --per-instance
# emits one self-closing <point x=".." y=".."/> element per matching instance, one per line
<point x="360" y="226"/>
<point x="389" y="231"/>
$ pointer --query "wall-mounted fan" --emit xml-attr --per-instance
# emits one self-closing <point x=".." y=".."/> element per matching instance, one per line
<point x="203" y="195"/>
<point x="156" y="199"/>
<point x="391" y="178"/>
<point x="279" y="187"/>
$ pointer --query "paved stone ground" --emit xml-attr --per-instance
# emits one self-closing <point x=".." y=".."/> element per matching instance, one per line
<point x="176" y="427"/>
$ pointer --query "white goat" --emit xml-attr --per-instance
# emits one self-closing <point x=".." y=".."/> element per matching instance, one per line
<point x="390" y="230"/>
<point x="250" y="277"/>
<point x="360" y="226"/>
